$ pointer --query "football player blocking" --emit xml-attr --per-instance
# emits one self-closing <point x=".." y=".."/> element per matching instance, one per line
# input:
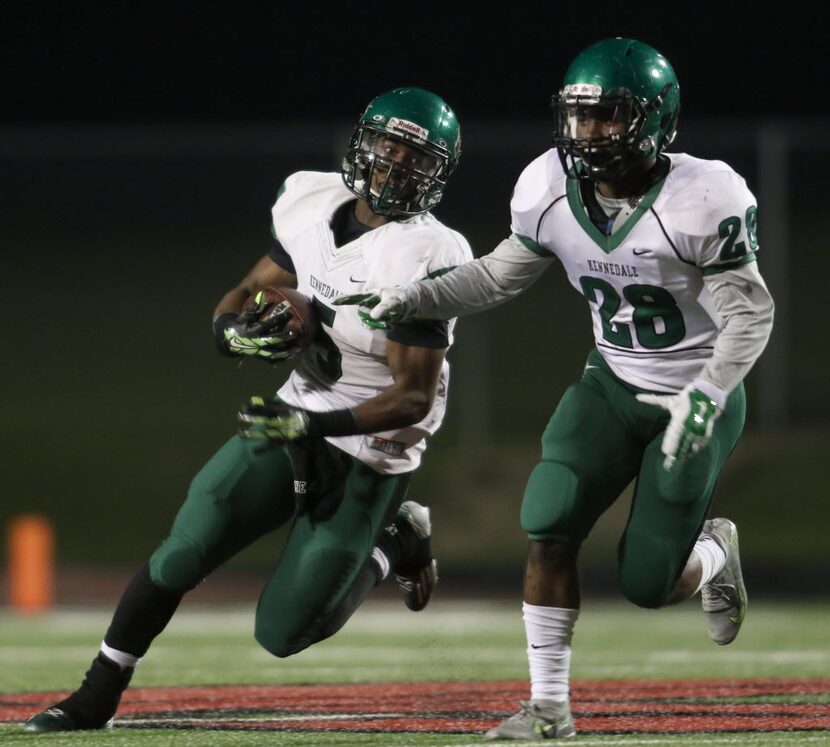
<point x="333" y="451"/>
<point x="663" y="248"/>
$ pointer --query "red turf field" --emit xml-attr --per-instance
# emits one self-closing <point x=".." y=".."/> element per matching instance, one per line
<point x="600" y="706"/>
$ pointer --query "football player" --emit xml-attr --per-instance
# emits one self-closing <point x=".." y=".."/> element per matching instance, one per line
<point x="663" y="248"/>
<point x="334" y="450"/>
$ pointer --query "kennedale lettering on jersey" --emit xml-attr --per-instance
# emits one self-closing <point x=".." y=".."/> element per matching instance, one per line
<point x="612" y="268"/>
<point x="324" y="289"/>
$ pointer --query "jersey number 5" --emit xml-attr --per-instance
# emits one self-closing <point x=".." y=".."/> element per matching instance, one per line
<point x="328" y="356"/>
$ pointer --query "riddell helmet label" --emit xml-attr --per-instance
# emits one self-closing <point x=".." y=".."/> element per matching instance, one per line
<point x="408" y="128"/>
<point x="588" y="90"/>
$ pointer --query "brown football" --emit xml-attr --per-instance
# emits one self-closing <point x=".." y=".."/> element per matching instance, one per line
<point x="303" y="316"/>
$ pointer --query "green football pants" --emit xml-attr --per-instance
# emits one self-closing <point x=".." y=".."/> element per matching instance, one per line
<point x="599" y="439"/>
<point x="241" y="495"/>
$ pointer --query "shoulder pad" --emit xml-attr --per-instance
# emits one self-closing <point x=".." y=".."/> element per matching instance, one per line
<point x="711" y="211"/>
<point x="541" y="182"/>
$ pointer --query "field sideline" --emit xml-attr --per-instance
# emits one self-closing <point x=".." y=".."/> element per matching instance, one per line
<point x="474" y="641"/>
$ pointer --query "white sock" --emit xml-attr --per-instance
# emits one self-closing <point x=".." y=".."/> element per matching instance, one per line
<point x="379" y="556"/>
<point x="712" y="559"/>
<point x="119" y="657"/>
<point x="549" y="631"/>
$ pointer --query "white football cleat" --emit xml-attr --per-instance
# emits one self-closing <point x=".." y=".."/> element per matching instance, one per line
<point x="724" y="597"/>
<point x="538" y="719"/>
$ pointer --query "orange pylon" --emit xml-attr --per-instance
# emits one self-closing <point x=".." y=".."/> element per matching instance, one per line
<point x="31" y="563"/>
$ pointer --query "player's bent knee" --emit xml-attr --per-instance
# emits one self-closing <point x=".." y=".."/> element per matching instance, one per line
<point x="548" y="504"/>
<point x="276" y="643"/>
<point x="295" y="609"/>
<point x="647" y="573"/>
<point x="643" y="595"/>
<point x="178" y="565"/>
<point x="284" y="636"/>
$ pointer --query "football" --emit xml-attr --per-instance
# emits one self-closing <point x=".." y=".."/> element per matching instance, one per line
<point x="303" y="317"/>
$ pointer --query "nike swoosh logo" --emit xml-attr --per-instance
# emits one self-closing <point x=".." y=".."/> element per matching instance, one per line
<point x="544" y="645"/>
<point x="641" y="252"/>
<point x="355" y="281"/>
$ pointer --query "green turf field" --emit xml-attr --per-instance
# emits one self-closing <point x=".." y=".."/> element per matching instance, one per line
<point x="452" y="640"/>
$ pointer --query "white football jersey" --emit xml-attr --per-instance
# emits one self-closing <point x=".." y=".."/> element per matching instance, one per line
<point x="654" y="321"/>
<point x="350" y="366"/>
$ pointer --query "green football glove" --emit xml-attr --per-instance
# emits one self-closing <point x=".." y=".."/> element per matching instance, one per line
<point x="269" y="339"/>
<point x="275" y="422"/>
<point x="385" y="307"/>
<point x="692" y="417"/>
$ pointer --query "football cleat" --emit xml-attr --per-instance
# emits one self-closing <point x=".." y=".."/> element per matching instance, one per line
<point x="417" y="588"/>
<point x="91" y="706"/>
<point x="56" y="719"/>
<point x="416" y="571"/>
<point x="538" y="719"/>
<point x="724" y="597"/>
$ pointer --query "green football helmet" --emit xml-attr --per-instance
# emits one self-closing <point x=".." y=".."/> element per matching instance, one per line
<point x="616" y="111"/>
<point x="404" y="148"/>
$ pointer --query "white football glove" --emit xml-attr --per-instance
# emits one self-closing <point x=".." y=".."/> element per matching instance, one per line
<point x="384" y="306"/>
<point x="693" y="412"/>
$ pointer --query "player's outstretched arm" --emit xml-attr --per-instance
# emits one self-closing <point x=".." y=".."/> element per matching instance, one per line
<point x="380" y="308"/>
<point x="503" y="274"/>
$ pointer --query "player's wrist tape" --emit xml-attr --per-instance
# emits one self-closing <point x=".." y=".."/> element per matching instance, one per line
<point x="331" y="423"/>
<point x="220" y="324"/>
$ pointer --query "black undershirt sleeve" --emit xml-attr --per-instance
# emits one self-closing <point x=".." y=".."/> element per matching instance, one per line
<point x="281" y="257"/>
<point x="423" y="333"/>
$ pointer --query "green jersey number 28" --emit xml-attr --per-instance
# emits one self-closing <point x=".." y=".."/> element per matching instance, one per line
<point x="657" y="320"/>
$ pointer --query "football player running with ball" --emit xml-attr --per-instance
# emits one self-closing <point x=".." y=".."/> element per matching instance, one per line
<point x="662" y="247"/>
<point x="347" y="429"/>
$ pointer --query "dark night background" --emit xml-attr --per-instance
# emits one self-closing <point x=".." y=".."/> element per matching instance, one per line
<point x="142" y="144"/>
<point x="266" y="61"/>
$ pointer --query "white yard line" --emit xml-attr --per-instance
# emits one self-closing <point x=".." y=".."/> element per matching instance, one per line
<point x="264" y="719"/>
